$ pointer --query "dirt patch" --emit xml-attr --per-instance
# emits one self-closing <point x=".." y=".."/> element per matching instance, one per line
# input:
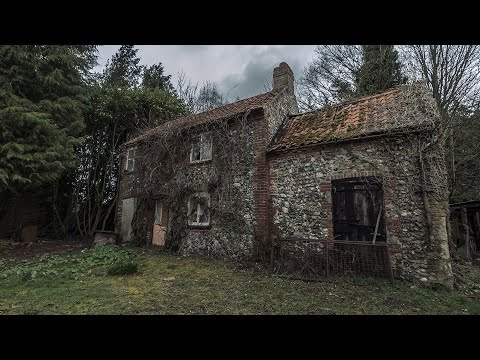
<point x="32" y="251"/>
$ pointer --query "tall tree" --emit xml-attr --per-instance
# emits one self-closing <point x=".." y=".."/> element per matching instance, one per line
<point x="209" y="97"/>
<point x="153" y="77"/>
<point x="124" y="69"/>
<point x="452" y="72"/>
<point x="380" y="70"/>
<point x="198" y="99"/>
<point x="41" y="121"/>
<point x="330" y="77"/>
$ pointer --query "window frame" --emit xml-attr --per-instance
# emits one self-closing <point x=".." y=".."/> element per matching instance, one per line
<point x="189" y="209"/>
<point x="133" y="159"/>
<point x="199" y="141"/>
<point x="158" y="213"/>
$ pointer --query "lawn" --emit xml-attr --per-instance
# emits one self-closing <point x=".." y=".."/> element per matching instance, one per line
<point x="78" y="282"/>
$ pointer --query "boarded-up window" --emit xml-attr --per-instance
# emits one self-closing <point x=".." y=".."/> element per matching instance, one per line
<point x="198" y="209"/>
<point x="357" y="205"/>
<point x="130" y="163"/>
<point x="202" y="148"/>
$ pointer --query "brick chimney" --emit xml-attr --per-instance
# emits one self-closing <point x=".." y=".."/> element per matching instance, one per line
<point x="283" y="78"/>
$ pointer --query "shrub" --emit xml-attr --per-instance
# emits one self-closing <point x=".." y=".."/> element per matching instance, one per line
<point x="123" y="268"/>
<point x="25" y="275"/>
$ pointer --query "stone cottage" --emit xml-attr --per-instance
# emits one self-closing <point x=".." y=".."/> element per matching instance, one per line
<point x="230" y="181"/>
<point x="204" y="178"/>
<point x="367" y="170"/>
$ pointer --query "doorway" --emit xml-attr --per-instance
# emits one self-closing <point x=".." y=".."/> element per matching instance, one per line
<point x="160" y="224"/>
<point x="358" y="209"/>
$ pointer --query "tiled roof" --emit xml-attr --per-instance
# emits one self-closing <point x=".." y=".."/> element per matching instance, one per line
<point x="406" y="107"/>
<point x="223" y="112"/>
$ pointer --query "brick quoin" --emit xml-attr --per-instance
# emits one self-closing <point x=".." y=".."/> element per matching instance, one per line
<point x="262" y="188"/>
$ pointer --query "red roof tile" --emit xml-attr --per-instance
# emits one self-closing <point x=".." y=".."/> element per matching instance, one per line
<point x="223" y="112"/>
<point x="405" y="107"/>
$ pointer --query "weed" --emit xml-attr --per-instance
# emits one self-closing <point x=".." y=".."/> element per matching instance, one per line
<point x="123" y="268"/>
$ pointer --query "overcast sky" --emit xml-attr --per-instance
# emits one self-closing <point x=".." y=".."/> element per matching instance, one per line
<point x="241" y="70"/>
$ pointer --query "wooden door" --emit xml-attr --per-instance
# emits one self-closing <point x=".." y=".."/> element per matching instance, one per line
<point x="160" y="224"/>
<point x="356" y="206"/>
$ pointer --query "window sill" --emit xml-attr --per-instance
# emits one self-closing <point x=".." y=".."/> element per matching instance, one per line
<point x="199" y="227"/>
<point x="195" y="162"/>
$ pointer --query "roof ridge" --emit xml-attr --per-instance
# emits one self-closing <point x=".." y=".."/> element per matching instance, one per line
<point x="353" y="101"/>
<point x="217" y="108"/>
<point x="378" y="113"/>
<point x="198" y="116"/>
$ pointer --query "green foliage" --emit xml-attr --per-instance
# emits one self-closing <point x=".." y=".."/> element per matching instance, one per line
<point x="123" y="268"/>
<point x="26" y="275"/>
<point x="154" y="78"/>
<point x="380" y="70"/>
<point x="112" y="117"/>
<point x="68" y="265"/>
<point x="41" y="120"/>
<point x="124" y="69"/>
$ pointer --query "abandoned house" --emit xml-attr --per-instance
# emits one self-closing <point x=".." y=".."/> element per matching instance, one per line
<point x="235" y="180"/>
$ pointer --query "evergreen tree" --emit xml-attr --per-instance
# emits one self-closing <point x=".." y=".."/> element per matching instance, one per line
<point x="41" y="99"/>
<point x="154" y="78"/>
<point x="124" y="70"/>
<point x="380" y="70"/>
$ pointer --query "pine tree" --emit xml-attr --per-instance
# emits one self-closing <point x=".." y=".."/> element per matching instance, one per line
<point x="154" y="78"/>
<point x="124" y="70"/>
<point x="380" y="70"/>
<point x="41" y="99"/>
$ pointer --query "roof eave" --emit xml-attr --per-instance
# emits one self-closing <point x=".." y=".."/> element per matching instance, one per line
<point x="351" y="139"/>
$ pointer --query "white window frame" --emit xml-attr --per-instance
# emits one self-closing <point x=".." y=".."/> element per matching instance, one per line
<point x="199" y="140"/>
<point x="197" y="223"/>
<point x="127" y="158"/>
<point x="158" y="212"/>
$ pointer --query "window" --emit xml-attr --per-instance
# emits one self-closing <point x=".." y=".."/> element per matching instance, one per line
<point x="198" y="209"/>
<point x="202" y="148"/>
<point x="161" y="214"/>
<point x="130" y="163"/>
<point x="158" y="213"/>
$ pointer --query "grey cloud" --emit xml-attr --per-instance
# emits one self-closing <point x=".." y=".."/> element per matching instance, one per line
<point x="192" y="48"/>
<point x="257" y="76"/>
<point x="243" y="70"/>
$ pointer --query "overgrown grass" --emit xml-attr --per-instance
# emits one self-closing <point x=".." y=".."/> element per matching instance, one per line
<point x="167" y="284"/>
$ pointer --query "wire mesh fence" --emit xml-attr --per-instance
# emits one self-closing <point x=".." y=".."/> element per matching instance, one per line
<point x="320" y="259"/>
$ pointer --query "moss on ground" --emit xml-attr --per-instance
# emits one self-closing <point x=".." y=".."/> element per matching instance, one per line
<point x="167" y="284"/>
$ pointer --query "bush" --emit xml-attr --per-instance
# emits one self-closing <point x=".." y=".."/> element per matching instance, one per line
<point x="123" y="268"/>
<point x="25" y="275"/>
